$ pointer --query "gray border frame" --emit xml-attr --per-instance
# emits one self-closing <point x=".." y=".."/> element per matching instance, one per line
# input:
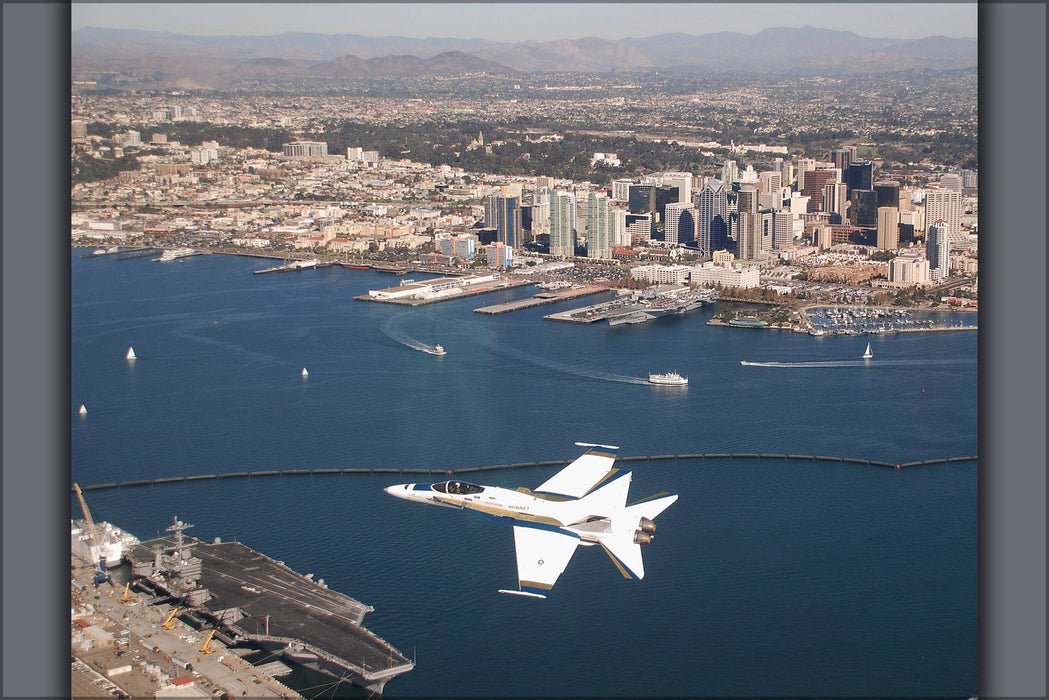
<point x="36" y="350"/>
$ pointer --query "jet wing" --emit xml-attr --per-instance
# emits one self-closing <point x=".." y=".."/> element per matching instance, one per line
<point x="541" y="557"/>
<point x="584" y="474"/>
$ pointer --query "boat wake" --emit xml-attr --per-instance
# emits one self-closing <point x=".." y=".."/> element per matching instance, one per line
<point x="564" y="368"/>
<point x="858" y="363"/>
<point x="391" y="329"/>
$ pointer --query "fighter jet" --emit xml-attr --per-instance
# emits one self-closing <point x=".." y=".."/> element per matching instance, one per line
<point x="583" y="504"/>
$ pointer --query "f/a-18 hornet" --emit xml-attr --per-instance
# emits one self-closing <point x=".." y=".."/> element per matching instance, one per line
<point x="583" y="504"/>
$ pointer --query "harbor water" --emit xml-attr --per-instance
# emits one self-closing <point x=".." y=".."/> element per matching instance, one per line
<point x="767" y="577"/>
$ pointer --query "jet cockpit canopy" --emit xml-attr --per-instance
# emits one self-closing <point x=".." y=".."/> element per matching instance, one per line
<point x="458" y="487"/>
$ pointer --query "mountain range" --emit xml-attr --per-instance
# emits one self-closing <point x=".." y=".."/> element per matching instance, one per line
<point x="221" y="61"/>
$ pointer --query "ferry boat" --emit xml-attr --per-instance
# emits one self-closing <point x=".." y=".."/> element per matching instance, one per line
<point x="668" y="379"/>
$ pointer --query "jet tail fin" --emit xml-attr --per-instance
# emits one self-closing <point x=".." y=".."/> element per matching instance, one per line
<point x="652" y="506"/>
<point x="626" y="555"/>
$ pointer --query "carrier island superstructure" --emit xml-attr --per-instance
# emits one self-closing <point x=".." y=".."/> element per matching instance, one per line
<point x="240" y="598"/>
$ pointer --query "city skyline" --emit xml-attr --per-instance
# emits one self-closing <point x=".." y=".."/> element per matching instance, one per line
<point x="517" y="22"/>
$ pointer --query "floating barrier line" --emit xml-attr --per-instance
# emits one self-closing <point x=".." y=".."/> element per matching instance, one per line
<point x="520" y="465"/>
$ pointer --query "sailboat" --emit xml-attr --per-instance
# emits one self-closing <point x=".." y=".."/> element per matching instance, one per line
<point x="131" y="354"/>
<point x="305" y="373"/>
<point x="867" y="354"/>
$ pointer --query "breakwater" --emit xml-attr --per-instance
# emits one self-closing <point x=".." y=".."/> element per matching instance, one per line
<point x="518" y="465"/>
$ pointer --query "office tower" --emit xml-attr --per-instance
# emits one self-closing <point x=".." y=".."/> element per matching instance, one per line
<point x="783" y="229"/>
<point x="945" y="205"/>
<point x="888" y="228"/>
<point x="500" y="255"/>
<point x="766" y="227"/>
<point x="938" y="248"/>
<point x="786" y="172"/>
<point x="841" y="157"/>
<point x="641" y="199"/>
<point x="815" y="180"/>
<point x="747" y="232"/>
<point x="683" y="183"/>
<point x="562" y="224"/>
<point x="864" y="210"/>
<point x="860" y="176"/>
<point x="639" y="226"/>
<point x="680" y="224"/>
<point x="835" y="199"/>
<point x="729" y="172"/>
<point x="711" y="217"/>
<point x="951" y="181"/>
<point x="542" y="181"/>
<point x="888" y="193"/>
<point x="598" y="226"/>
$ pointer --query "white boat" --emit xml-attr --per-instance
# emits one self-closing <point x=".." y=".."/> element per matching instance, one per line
<point x="131" y="354"/>
<point x="668" y="379"/>
<point x="305" y="373"/>
<point x="867" y="354"/>
<point x="435" y="350"/>
<point x="83" y="410"/>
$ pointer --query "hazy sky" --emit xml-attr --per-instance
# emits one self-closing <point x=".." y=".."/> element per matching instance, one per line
<point x="524" y="21"/>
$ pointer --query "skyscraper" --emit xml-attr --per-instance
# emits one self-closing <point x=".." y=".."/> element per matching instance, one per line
<point x="946" y="205"/>
<point x="860" y="176"/>
<point x="562" y="224"/>
<point x="835" y="198"/>
<point x="888" y="228"/>
<point x="747" y="240"/>
<point x="598" y="226"/>
<point x="937" y="248"/>
<point x="729" y="172"/>
<point x="711" y="217"/>
<point x="864" y="210"/>
<point x="508" y="220"/>
<point x="888" y="193"/>
<point x="680" y="223"/>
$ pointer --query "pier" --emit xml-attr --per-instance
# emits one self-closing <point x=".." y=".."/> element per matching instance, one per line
<point x="540" y="299"/>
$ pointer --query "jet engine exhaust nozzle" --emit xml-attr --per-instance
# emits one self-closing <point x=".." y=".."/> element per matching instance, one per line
<point x="647" y="525"/>
<point x="641" y="537"/>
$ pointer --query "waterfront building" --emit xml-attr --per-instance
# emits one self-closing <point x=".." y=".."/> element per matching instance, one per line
<point x="562" y="224"/>
<point x="661" y="274"/>
<point x="598" y="226"/>
<point x="888" y="228"/>
<point x="909" y="269"/>
<point x="506" y="216"/>
<point x="680" y="224"/>
<point x="710" y="274"/>
<point x="305" y="149"/>
<point x="945" y="205"/>
<point x="500" y="255"/>
<point x="711" y="217"/>
<point x="938" y="249"/>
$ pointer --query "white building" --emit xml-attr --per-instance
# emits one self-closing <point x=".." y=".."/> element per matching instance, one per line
<point x="661" y="274"/>
<point x="598" y="226"/>
<point x="909" y="269"/>
<point x="562" y="224"/>
<point x="709" y="274"/>
<point x="945" y="205"/>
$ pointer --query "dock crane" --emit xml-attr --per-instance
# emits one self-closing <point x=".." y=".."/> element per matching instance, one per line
<point x="206" y="646"/>
<point x="101" y="576"/>
<point x="169" y="624"/>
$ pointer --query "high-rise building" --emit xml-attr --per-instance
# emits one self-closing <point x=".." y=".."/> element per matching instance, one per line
<point x="507" y="219"/>
<point x="770" y="181"/>
<point x="729" y="172"/>
<point x="747" y="241"/>
<point x="888" y="228"/>
<point x="598" y="226"/>
<point x="711" y="217"/>
<point x="860" y="176"/>
<point x="680" y="226"/>
<point x="783" y="229"/>
<point x="621" y="190"/>
<point x="938" y="248"/>
<point x="683" y="183"/>
<point x="946" y="205"/>
<point x="617" y="227"/>
<point x="952" y="181"/>
<point x="500" y="255"/>
<point x="835" y="199"/>
<point x="888" y="193"/>
<point x="815" y="180"/>
<point x="767" y="229"/>
<point x="562" y="224"/>
<point x="864" y="210"/>
<point x="841" y="157"/>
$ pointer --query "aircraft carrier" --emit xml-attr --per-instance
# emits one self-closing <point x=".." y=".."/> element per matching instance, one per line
<point x="251" y="601"/>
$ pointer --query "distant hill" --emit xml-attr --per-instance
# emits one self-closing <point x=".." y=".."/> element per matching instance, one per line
<point x="217" y="61"/>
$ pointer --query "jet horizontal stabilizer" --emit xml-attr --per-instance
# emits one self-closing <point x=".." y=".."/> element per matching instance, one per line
<point x="524" y="593"/>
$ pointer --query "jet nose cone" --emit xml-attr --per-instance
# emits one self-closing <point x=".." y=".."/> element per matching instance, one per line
<point x="398" y="490"/>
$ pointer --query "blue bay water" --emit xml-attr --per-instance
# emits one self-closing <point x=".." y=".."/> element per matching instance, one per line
<point x="767" y="577"/>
